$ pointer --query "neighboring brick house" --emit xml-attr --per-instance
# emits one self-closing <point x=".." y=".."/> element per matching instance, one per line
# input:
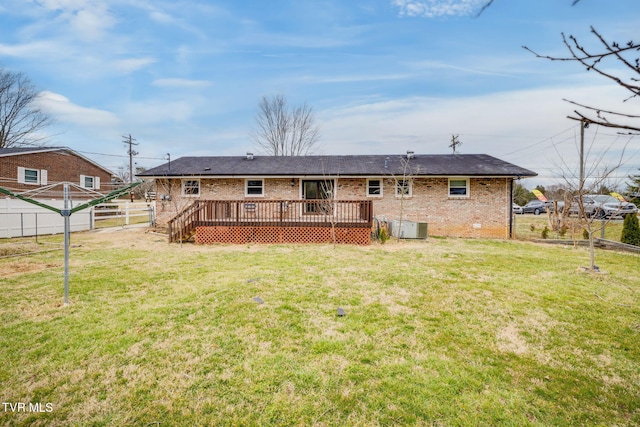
<point x="24" y="169"/>
<point x="462" y="195"/>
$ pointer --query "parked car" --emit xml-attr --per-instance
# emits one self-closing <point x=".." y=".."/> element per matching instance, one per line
<point x="551" y="206"/>
<point x="516" y="208"/>
<point x="535" y="207"/>
<point x="603" y="206"/>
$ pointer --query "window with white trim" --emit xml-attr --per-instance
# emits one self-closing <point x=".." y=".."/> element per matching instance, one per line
<point x="191" y="187"/>
<point x="403" y="187"/>
<point x="374" y="188"/>
<point x="458" y="187"/>
<point x="90" y="182"/>
<point x="87" y="182"/>
<point x="32" y="176"/>
<point x="254" y="187"/>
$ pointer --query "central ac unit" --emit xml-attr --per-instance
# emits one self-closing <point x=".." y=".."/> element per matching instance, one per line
<point x="409" y="229"/>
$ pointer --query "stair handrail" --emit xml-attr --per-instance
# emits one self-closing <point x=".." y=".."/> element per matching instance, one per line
<point x="186" y="218"/>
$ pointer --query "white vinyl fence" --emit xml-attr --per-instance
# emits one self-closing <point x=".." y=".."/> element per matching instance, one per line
<point x="21" y="219"/>
<point x="123" y="213"/>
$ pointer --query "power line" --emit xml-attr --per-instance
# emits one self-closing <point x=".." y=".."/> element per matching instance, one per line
<point x="539" y="142"/>
<point x="118" y="155"/>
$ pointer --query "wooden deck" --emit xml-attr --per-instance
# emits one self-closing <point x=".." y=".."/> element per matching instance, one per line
<point x="274" y="221"/>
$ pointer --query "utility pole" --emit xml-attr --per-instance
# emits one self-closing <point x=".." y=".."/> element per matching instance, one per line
<point x="583" y="124"/>
<point x="455" y="142"/>
<point x="129" y="140"/>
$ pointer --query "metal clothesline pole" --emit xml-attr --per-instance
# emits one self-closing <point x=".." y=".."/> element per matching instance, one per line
<point x="66" y="213"/>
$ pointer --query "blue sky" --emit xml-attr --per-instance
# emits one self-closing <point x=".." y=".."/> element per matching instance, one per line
<point x="383" y="76"/>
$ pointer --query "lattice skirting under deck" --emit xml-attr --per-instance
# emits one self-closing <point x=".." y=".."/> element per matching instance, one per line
<point x="241" y="235"/>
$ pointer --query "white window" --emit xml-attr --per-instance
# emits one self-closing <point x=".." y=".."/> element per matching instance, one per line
<point x="254" y="187"/>
<point x="32" y="176"/>
<point x="90" y="182"/>
<point x="191" y="187"/>
<point x="374" y="188"/>
<point x="458" y="187"/>
<point x="403" y="187"/>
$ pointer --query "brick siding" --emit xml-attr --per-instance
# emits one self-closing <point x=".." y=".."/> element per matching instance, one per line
<point x="485" y="213"/>
<point x="61" y="166"/>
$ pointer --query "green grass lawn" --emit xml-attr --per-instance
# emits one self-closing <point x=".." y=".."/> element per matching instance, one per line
<point x="447" y="332"/>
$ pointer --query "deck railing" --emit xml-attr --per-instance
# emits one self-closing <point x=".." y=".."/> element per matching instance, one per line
<point x="279" y="213"/>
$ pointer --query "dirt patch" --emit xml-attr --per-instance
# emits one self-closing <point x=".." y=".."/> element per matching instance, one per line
<point x="11" y="249"/>
<point x="18" y="266"/>
<point x="149" y="239"/>
<point x="510" y="341"/>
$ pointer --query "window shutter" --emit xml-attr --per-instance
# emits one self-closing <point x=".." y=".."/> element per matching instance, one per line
<point x="43" y="177"/>
<point x="82" y="181"/>
<point x="96" y="182"/>
<point x="20" y="175"/>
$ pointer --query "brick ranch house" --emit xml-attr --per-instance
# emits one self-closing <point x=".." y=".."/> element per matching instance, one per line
<point x="35" y="168"/>
<point x="237" y="199"/>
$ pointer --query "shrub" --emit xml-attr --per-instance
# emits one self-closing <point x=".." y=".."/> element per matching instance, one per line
<point x="585" y="234"/>
<point x="545" y="232"/>
<point x="631" y="230"/>
<point x="383" y="235"/>
<point x="563" y="230"/>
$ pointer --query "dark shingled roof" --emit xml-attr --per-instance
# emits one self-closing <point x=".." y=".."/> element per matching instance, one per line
<point x="355" y="165"/>
<point x="24" y="150"/>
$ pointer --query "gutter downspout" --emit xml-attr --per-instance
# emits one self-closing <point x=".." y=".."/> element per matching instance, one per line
<point x="511" y="208"/>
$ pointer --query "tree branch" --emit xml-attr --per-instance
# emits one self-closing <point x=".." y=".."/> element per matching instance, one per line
<point x="601" y="122"/>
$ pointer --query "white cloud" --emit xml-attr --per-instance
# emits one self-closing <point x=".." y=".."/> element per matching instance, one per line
<point x="528" y="127"/>
<point x="165" y="17"/>
<point x="159" y="111"/>
<point x="61" y="4"/>
<point x="435" y="65"/>
<point x="132" y="64"/>
<point x="63" y="110"/>
<point x="435" y="8"/>
<point x="29" y="50"/>
<point x="92" y="23"/>
<point x="161" y="17"/>
<point x="181" y="83"/>
<point x="88" y="20"/>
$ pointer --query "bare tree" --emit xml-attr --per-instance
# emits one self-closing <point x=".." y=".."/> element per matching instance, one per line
<point x="626" y="54"/>
<point x="282" y="131"/>
<point x="21" y="119"/>
<point x="403" y="186"/>
<point x="596" y="171"/>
